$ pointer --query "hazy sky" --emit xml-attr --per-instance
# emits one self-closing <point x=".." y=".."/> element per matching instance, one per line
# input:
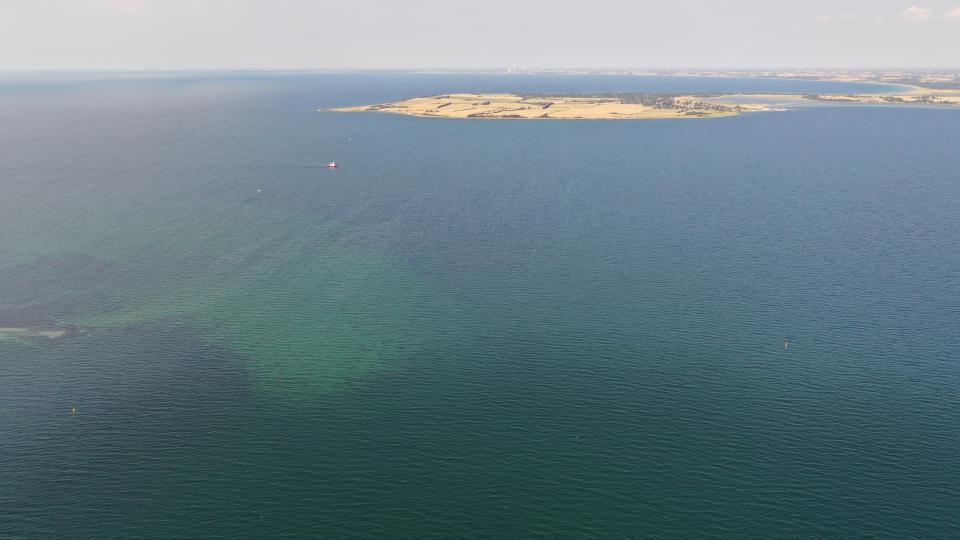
<point x="198" y="34"/>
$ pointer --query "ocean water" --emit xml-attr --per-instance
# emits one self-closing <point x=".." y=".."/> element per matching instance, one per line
<point x="495" y="329"/>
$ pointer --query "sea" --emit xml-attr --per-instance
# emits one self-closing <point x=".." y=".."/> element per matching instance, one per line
<point x="739" y="327"/>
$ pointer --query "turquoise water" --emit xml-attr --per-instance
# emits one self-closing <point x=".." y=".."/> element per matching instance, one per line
<point x="486" y="329"/>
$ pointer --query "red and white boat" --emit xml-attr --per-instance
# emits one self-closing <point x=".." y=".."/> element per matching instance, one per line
<point x="332" y="165"/>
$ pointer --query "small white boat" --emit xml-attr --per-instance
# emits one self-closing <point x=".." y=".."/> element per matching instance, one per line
<point x="332" y="165"/>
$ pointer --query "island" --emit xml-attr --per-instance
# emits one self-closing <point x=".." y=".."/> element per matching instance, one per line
<point x="542" y="106"/>
<point x="915" y="97"/>
<point x="633" y="106"/>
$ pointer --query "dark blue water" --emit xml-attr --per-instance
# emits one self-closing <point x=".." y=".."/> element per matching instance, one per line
<point x="472" y="328"/>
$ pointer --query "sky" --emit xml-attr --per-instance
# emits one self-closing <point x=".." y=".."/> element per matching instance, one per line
<point x="372" y="34"/>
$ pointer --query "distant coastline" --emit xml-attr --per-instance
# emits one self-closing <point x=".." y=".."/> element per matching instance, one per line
<point x="934" y="79"/>
<point x="563" y="107"/>
<point x="634" y="106"/>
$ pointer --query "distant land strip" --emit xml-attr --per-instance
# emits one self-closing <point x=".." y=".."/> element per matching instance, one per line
<point x="632" y="106"/>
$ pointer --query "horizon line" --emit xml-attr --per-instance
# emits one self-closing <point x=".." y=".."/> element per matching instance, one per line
<point x="499" y="69"/>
